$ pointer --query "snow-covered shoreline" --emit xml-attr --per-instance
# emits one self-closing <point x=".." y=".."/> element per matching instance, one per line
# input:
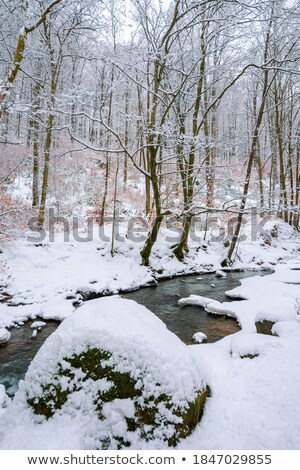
<point x="46" y="281"/>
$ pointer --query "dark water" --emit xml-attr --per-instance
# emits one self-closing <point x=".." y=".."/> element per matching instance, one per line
<point x="16" y="355"/>
<point x="187" y="320"/>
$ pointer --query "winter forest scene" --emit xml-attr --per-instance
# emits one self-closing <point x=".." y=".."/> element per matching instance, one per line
<point x="149" y="224"/>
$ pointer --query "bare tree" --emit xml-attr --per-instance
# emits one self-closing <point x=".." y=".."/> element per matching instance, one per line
<point x="27" y="28"/>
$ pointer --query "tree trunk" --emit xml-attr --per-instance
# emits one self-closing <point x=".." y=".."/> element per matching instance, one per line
<point x="105" y="191"/>
<point x="107" y="158"/>
<point x="187" y="165"/>
<point x="297" y="183"/>
<point x="112" y="249"/>
<point x="282" y="176"/>
<point x="153" y="233"/>
<point x="182" y="247"/>
<point x="126" y="140"/>
<point x="35" y="138"/>
<point x="36" y="166"/>
<point x="228" y="260"/>
<point x="47" y="150"/>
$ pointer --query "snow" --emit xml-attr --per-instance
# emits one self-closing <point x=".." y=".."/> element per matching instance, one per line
<point x="4" y="335"/>
<point x="195" y="300"/>
<point x="199" y="337"/>
<point x="38" y="324"/>
<point x="4" y="400"/>
<point x="218" y="308"/>
<point x="269" y="298"/>
<point x="255" y="402"/>
<point x="210" y="305"/>
<point x="139" y="343"/>
<point x="220" y="273"/>
<point x="252" y="344"/>
<point x="254" y="378"/>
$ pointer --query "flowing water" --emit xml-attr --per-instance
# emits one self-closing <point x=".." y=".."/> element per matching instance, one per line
<point x="16" y="355"/>
<point x="187" y="320"/>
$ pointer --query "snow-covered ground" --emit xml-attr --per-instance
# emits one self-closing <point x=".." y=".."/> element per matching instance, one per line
<point x="273" y="298"/>
<point x="4" y="335"/>
<point x="255" y="380"/>
<point x="46" y="280"/>
<point x="255" y="400"/>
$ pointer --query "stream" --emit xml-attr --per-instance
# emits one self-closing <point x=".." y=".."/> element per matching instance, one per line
<point x="187" y="320"/>
<point x="16" y="355"/>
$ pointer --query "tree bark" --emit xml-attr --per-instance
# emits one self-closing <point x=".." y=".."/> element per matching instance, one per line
<point x="228" y="260"/>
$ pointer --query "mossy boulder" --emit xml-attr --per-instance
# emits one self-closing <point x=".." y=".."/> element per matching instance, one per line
<point x="116" y="366"/>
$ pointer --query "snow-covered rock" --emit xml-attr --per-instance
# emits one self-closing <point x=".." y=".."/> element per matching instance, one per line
<point x="4" y="335"/>
<point x="220" y="273"/>
<point x="275" y="315"/>
<point x="38" y="324"/>
<point x="219" y="308"/>
<point x="112" y="375"/>
<point x="199" y="337"/>
<point x="252" y="344"/>
<point x="211" y="306"/>
<point x="195" y="300"/>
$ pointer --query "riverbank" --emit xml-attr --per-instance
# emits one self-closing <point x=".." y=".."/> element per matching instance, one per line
<point x="48" y="280"/>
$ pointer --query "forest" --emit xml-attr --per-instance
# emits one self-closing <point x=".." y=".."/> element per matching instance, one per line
<point x="179" y="109"/>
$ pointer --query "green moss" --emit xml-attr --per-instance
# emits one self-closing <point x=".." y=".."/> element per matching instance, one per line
<point x="53" y="399"/>
<point x="190" y="417"/>
<point x="131" y="424"/>
<point x="92" y="364"/>
<point x="146" y="415"/>
<point x="124" y="386"/>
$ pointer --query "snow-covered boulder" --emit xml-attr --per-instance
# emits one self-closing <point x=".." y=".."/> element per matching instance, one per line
<point x="200" y="337"/>
<point x="250" y="345"/>
<point x="114" y="375"/>
<point x="4" y="335"/>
